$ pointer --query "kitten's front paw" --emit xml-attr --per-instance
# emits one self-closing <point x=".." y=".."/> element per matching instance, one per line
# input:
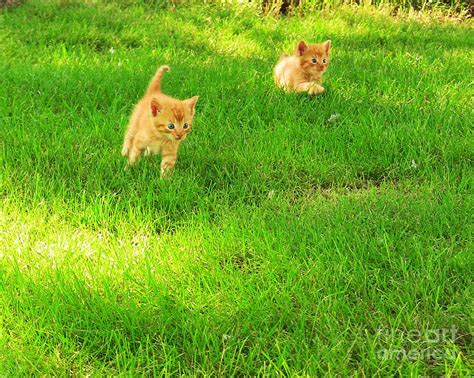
<point x="165" y="173"/>
<point x="166" y="170"/>
<point x="315" y="89"/>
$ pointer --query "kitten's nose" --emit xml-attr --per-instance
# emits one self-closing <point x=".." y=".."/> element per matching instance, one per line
<point x="179" y="136"/>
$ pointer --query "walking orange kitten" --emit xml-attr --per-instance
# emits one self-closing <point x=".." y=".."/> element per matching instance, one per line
<point x="303" y="71"/>
<point x="158" y="125"/>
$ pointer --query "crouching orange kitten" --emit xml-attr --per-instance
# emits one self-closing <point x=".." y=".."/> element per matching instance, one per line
<point x="303" y="71"/>
<point x="158" y="125"/>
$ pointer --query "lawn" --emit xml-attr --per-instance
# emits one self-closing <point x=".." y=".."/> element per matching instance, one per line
<point x="287" y="241"/>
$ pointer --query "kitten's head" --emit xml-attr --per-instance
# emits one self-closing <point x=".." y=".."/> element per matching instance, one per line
<point x="173" y="119"/>
<point x="314" y="58"/>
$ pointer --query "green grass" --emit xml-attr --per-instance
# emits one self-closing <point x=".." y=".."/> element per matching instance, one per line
<point x="302" y="6"/>
<point x="283" y="243"/>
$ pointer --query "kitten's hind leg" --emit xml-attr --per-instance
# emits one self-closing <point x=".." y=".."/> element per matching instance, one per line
<point x="127" y="144"/>
<point x="134" y="153"/>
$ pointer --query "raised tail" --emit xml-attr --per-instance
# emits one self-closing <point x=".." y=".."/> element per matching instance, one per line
<point x="155" y="83"/>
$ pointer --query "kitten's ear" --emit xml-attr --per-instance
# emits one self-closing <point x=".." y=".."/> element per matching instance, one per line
<point x="191" y="102"/>
<point x="327" y="46"/>
<point x="301" y="48"/>
<point x="155" y="107"/>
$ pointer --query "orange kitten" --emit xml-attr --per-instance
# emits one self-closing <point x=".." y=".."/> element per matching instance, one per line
<point x="158" y="125"/>
<point x="303" y="71"/>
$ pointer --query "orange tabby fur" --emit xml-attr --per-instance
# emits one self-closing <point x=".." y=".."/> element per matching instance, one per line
<point x="303" y="71"/>
<point x="149" y="128"/>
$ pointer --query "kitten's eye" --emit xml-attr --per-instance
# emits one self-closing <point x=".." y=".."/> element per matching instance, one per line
<point x="170" y="126"/>
<point x="185" y="126"/>
<point x="314" y="61"/>
<point x="325" y="61"/>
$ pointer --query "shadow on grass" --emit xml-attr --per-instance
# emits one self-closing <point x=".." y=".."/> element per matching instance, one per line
<point x="110" y="329"/>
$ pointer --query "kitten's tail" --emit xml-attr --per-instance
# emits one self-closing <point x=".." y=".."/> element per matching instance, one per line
<point x="155" y="83"/>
